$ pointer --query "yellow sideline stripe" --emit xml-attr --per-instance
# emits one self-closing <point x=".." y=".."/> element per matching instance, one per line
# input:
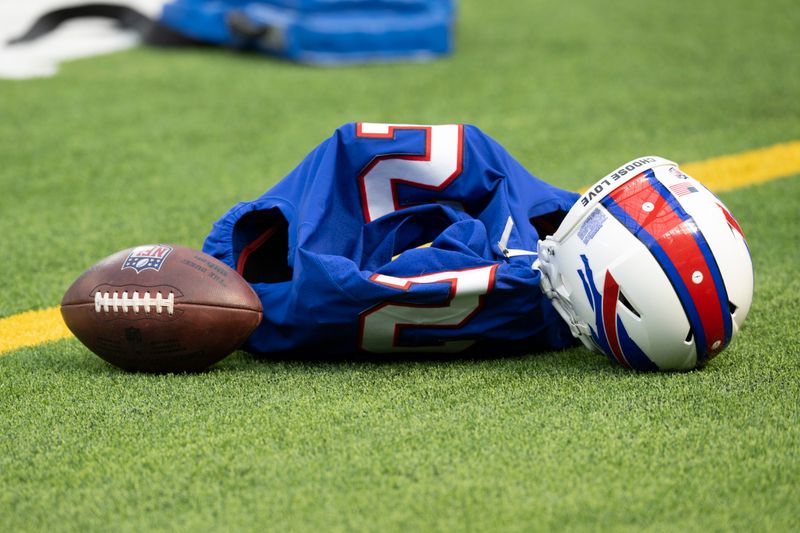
<point x="718" y="174"/>
<point x="31" y="328"/>
<point x="747" y="168"/>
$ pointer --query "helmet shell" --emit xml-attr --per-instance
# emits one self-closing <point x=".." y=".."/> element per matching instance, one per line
<point x="650" y="268"/>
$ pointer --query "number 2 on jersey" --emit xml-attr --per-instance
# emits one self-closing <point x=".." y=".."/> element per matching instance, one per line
<point x="381" y="326"/>
<point x="434" y="170"/>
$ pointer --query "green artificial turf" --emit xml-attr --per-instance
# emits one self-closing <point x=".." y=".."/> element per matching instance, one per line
<point x="147" y="146"/>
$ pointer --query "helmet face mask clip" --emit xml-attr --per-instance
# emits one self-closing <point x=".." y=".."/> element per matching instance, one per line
<point x="650" y="268"/>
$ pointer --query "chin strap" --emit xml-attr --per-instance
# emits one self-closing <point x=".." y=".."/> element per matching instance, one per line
<point x="556" y="292"/>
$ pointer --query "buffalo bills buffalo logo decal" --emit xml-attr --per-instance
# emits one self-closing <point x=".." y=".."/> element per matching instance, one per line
<point x="609" y="332"/>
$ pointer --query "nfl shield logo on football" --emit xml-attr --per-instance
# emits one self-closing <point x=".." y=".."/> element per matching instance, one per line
<point x="149" y="256"/>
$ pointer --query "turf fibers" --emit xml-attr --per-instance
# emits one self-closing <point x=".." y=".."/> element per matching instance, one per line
<point x="148" y="146"/>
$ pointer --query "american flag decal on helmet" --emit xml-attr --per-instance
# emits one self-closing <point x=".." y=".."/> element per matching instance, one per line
<point x="682" y="189"/>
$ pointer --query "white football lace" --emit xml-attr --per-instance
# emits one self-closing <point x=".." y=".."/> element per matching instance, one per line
<point x="116" y="301"/>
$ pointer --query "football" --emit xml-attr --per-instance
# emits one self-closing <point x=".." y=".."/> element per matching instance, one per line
<point x="161" y="308"/>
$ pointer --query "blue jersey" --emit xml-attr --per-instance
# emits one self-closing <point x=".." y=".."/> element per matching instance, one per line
<point x="398" y="238"/>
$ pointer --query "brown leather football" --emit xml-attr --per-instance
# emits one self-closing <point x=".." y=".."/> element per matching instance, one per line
<point x="161" y="308"/>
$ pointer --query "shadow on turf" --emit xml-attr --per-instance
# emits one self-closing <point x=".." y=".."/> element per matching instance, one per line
<point x="73" y="357"/>
<point x="575" y="360"/>
<point x="572" y="360"/>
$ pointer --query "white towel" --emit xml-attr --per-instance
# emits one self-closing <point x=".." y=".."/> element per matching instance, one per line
<point x="72" y="40"/>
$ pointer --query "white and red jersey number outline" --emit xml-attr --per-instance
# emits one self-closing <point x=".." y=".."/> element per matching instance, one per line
<point x="434" y="170"/>
<point x="381" y="326"/>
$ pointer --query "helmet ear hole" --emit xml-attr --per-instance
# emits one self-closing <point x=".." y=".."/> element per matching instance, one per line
<point x="689" y="337"/>
<point x="732" y="307"/>
<point x="624" y="301"/>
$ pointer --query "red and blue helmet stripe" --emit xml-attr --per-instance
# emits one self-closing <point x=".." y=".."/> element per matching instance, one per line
<point x="683" y="253"/>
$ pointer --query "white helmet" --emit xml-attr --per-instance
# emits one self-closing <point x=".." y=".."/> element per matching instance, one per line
<point x="650" y="268"/>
